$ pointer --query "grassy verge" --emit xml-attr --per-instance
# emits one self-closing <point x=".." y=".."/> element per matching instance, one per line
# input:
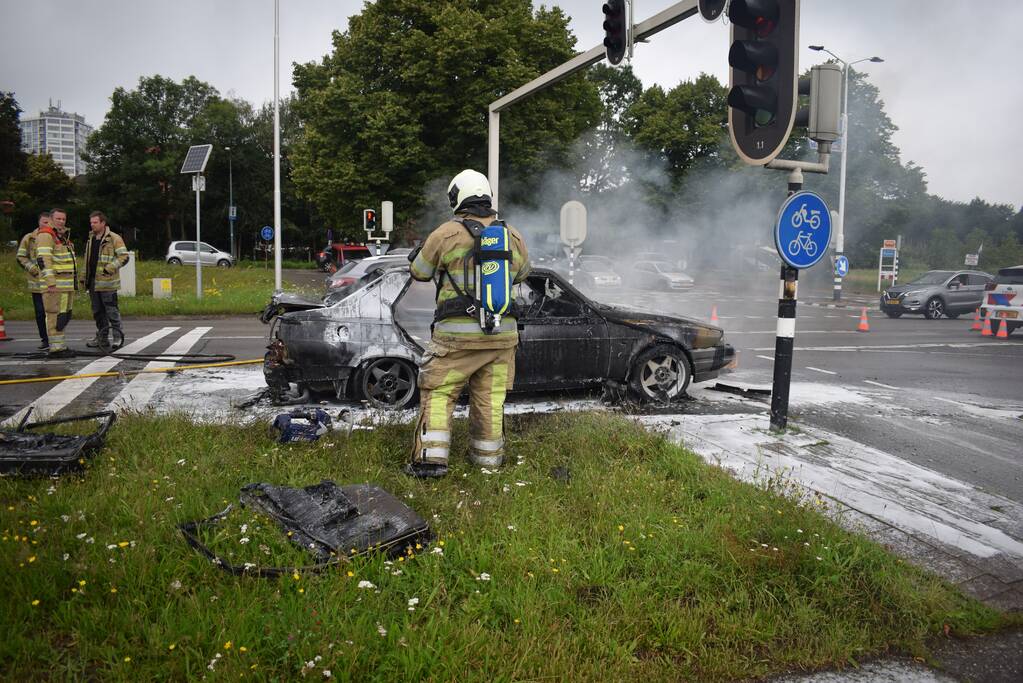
<point x="645" y="564"/>
<point x="864" y="280"/>
<point x="226" y="291"/>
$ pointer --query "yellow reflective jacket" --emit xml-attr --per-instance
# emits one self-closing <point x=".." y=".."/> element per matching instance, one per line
<point x="112" y="257"/>
<point x="56" y="260"/>
<point x="27" y="260"/>
<point x="446" y="250"/>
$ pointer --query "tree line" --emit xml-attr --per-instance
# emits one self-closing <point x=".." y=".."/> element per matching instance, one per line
<point x="399" y="105"/>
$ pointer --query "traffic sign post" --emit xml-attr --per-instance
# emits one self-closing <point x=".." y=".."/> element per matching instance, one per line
<point x="888" y="262"/>
<point x="802" y="234"/>
<point x="841" y="266"/>
<point x="267" y="233"/>
<point x="573" y="233"/>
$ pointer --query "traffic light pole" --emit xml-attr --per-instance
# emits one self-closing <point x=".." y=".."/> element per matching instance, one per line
<point x="785" y="338"/>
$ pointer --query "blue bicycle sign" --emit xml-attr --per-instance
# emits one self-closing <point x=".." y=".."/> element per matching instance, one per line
<point x="803" y="231"/>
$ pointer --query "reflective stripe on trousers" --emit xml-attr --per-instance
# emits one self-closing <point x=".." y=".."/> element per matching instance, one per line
<point x="489" y="373"/>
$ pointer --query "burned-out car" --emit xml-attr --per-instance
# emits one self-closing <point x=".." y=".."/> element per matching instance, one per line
<point x="368" y="346"/>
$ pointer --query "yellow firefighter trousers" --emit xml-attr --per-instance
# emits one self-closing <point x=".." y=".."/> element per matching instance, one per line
<point x="442" y="376"/>
<point x="58" y="314"/>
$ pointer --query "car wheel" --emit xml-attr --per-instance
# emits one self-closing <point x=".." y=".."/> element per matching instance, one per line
<point x="223" y="263"/>
<point x="174" y="261"/>
<point x="660" y="374"/>
<point x="934" y="309"/>
<point x="893" y="314"/>
<point x="388" y="383"/>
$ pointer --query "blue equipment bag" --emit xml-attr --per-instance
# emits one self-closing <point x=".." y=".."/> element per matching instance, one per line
<point x="300" y="425"/>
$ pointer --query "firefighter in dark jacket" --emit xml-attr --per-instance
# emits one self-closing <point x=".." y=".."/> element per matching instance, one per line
<point x="461" y="350"/>
<point x="105" y="255"/>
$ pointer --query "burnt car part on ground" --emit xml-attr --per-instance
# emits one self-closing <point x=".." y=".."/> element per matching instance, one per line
<point x="27" y="453"/>
<point x="326" y="520"/>
<point x="368" y="346"/>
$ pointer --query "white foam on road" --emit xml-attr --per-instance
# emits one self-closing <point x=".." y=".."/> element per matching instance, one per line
<point x="50" y="403"/>
<point x="912" y="498"/>
<point x="140" y="390"/>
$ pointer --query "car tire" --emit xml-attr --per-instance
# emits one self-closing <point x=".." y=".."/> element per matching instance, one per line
<point x="934" y="308"/>
<point x="223" y="263"/>
<point x="893" y="314"/>
<point x="661" y="373"/>
<point x="388" y="383"/>
<point x="174" y="261"/>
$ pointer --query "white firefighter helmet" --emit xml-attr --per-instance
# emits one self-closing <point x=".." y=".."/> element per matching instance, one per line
<point x="468" y="184"/>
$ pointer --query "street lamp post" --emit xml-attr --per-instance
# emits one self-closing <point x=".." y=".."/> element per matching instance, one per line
<point x="232" y="214"/>
<point x="840" y="232"/>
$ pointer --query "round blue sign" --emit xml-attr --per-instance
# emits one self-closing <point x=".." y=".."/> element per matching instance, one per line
<point x="841" y="265"/>
<point x="267" y="233"/>
<point x="803" y="231"/>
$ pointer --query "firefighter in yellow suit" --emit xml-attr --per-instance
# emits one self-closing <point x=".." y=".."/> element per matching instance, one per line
<point x="56" y="257"/>
<point x="460" y="350"/>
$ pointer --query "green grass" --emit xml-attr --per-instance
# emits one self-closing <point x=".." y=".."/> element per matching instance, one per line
<point x="646" y="565"/>
<point x="226" y="291"/>
<point x="864" y="280"/>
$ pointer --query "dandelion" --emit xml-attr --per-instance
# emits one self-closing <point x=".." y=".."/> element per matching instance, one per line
<point x="351" y="573"/>
<point x="113" y="590"/>
<point x="123" y="544"/>
<point x="228" y="645"/>
<point x="127" y="659"/>
<point x="35" y="603"/>
<point x="518" y="621"/>
<point x="33" y="523"/>
<point x="32" y="559"/>
<point x="296" y="576"/>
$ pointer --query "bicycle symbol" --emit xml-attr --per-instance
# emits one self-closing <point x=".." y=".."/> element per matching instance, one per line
<point x="802" y="242"/>
<point x="813" y="220"/>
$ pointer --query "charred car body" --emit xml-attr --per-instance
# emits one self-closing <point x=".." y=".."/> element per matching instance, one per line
<point x="368" y="346"/>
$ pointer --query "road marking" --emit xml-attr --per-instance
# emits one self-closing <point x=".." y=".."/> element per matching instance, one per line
<point x="826" y="372"/>
<point x="878" y="384"/>
<point x="946" y="400"/>
<point x="889" y="347"/>
<point x="140" y="390"/>
<point x="753" y="317"/>
<point x="766" y="357"/>
<point x="59" y="396"/>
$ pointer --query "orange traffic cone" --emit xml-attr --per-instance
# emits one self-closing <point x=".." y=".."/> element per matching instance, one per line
<point x="714" y="314"/>
<point x="3" y="328"/>
<point x="976" y="321"/>
<point x="864" y="326"/>
<point x="987" y="326"/>
<point x="1003" y="330"/>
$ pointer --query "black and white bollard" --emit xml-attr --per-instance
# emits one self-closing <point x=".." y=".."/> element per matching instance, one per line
<point x="785" y="336"/>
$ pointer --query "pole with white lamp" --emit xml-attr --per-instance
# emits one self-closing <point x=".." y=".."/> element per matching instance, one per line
<point x="232" y="210"/>
<point x="277" y="150"/>
<point x="840" y="231"/>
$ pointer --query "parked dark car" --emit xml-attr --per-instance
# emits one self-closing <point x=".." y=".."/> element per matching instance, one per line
<point x="368" y="346"/>
<point x="937" y="293"/>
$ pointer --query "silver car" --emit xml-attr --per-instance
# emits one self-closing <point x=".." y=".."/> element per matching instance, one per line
<point x="937" y="293"/>
<point x="185" y="252"/>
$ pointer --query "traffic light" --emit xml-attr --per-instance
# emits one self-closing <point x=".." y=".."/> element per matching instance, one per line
<point x="824" y="89"/>
<point x="615" y="30"/>
<point x="711" y="10"/>
<point x="369" y="220"/>
<point x="763" y="76"/>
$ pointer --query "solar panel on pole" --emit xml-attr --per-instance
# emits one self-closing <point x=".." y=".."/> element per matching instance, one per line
<point x="195" y="160"/>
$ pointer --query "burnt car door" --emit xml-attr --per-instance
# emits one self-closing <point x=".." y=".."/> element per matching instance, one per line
<point x="562" y="341"/>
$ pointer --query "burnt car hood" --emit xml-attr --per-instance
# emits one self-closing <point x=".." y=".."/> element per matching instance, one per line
<point x="671" y="326"/>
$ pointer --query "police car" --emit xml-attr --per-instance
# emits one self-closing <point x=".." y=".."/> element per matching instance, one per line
<point x="1003" y="298"/>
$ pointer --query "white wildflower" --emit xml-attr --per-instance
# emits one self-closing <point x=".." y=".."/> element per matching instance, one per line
<point x="437" y="550"/>
<point x="412" y="602"/>
<point x="381" y="630"/>
<point x="243" y="540"/>
<point x="366" y="584"/>
<point x="483" y="577"/>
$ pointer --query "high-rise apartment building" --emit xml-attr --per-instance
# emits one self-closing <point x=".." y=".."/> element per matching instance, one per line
<point x="59" y="133"/>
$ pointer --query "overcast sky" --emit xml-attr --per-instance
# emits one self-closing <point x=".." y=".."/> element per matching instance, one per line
<point x="947" y="62"/>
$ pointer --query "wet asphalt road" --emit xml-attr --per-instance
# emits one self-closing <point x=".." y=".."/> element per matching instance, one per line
<point x="931" y="392"/>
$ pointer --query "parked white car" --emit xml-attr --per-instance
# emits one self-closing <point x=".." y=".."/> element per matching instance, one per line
<point x="179" y="253"/>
